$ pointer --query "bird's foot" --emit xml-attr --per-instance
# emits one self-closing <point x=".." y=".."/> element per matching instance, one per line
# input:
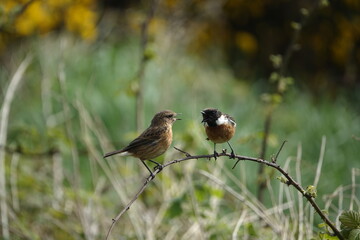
<point x="232" y="155"/>
<point x="216" y="155"/>
<point x="159" y="166"/>
<point x="151" y="177"/>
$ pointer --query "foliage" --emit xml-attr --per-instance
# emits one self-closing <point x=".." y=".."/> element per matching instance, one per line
<point x="350" y="224"/>
<point x="244" y="32"/>
<point x="189" y="200"/>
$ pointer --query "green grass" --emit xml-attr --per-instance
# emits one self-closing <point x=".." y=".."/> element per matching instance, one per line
<point x="186" y="200"/>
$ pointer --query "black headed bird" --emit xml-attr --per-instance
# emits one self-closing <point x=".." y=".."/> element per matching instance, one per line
<point x="219" y="127"/>
<point x="153" y="142"/>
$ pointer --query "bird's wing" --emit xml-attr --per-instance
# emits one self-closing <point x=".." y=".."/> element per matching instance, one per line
<point x="231" y="119"/>
<point x="149" y="137"/>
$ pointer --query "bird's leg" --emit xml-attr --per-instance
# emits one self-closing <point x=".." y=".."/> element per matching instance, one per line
<point x="215" y="153"/>
<point x="158" y="165"/>
<point x="232" y="151"/>
<point x="151" y="174"/>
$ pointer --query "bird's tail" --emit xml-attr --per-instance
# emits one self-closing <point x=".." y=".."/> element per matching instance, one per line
<point x="122" y="153"/>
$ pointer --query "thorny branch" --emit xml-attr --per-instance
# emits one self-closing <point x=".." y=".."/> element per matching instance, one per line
<point x="289" y="181"/>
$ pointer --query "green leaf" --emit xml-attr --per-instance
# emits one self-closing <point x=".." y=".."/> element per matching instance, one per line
<point x="282" y="179"/>
<point x="354" y="234"/>
<point x="311" y="191"/>
<point x="276" y="98"/>
<point x="149" y="54"/>
<point x="296" y="25"/>
<point x="276" y="60"/>
<point x="322" y="225"/>
<point x="325" y="236"/>
<point x="345" y="233"/>
<point x="219" y="193"/>
<point x="274" y="77"/>
<point x="324" y="3"/>
<point x="251" y="230"/>
<point x="175" y="208"/>
<point x="304" y="11"/>
<point x="350" y="220"/>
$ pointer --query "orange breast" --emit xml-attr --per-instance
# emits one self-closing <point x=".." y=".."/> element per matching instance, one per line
<point x="221" y="133"/>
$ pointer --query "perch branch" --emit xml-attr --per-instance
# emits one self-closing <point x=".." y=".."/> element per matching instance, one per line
<point x="188" y="156"/>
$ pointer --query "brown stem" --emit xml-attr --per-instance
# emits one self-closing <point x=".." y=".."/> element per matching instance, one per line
<point x="143" y="59"/>
<point x="261" y="175"/>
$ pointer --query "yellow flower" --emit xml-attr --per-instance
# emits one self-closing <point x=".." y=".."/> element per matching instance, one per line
<point x="82" y="20"/>
<point x="246" y="42"/>
<point x="35" y="18"/>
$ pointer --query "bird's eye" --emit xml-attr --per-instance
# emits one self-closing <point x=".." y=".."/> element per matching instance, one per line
<point x="170" y="116"/>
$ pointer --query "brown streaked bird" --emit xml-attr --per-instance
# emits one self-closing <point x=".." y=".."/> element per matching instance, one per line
<point x="153" y="142"/>
<point x="219" y="127"/>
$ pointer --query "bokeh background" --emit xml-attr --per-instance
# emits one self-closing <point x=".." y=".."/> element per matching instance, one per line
<point x="82" y="78"/>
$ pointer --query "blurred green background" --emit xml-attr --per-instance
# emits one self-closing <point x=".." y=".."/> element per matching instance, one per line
<point x="82" y="94"/>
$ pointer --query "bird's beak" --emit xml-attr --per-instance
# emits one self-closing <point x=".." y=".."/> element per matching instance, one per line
<point x="176" y="117"/>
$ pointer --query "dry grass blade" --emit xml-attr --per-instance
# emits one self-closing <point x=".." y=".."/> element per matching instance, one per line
<point x="320" y="162"/>
<point x="4" y="118"/>
<point x="238" y="225"/>
<point x="301" y="202"/>
<point x="258" y="211"/>
<point x="90" y="126"/>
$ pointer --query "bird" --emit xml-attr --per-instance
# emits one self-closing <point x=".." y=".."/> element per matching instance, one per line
<point x="153" y="142"/>
<point x="219" y="128"/>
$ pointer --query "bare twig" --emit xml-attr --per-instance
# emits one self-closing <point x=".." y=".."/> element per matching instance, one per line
<point x="281" y="71"/>
<point x="143" y="60"/>
<point x="182" y="151"/>
<point x="289" y="181"/>
<point x="267" y="125"/>
<point x="4" y="118"/>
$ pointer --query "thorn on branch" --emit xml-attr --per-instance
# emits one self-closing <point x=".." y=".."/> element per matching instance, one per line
<point x="236" y="164"/>
<point x="182" y="151"/>
<point x="273" y="160"/>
